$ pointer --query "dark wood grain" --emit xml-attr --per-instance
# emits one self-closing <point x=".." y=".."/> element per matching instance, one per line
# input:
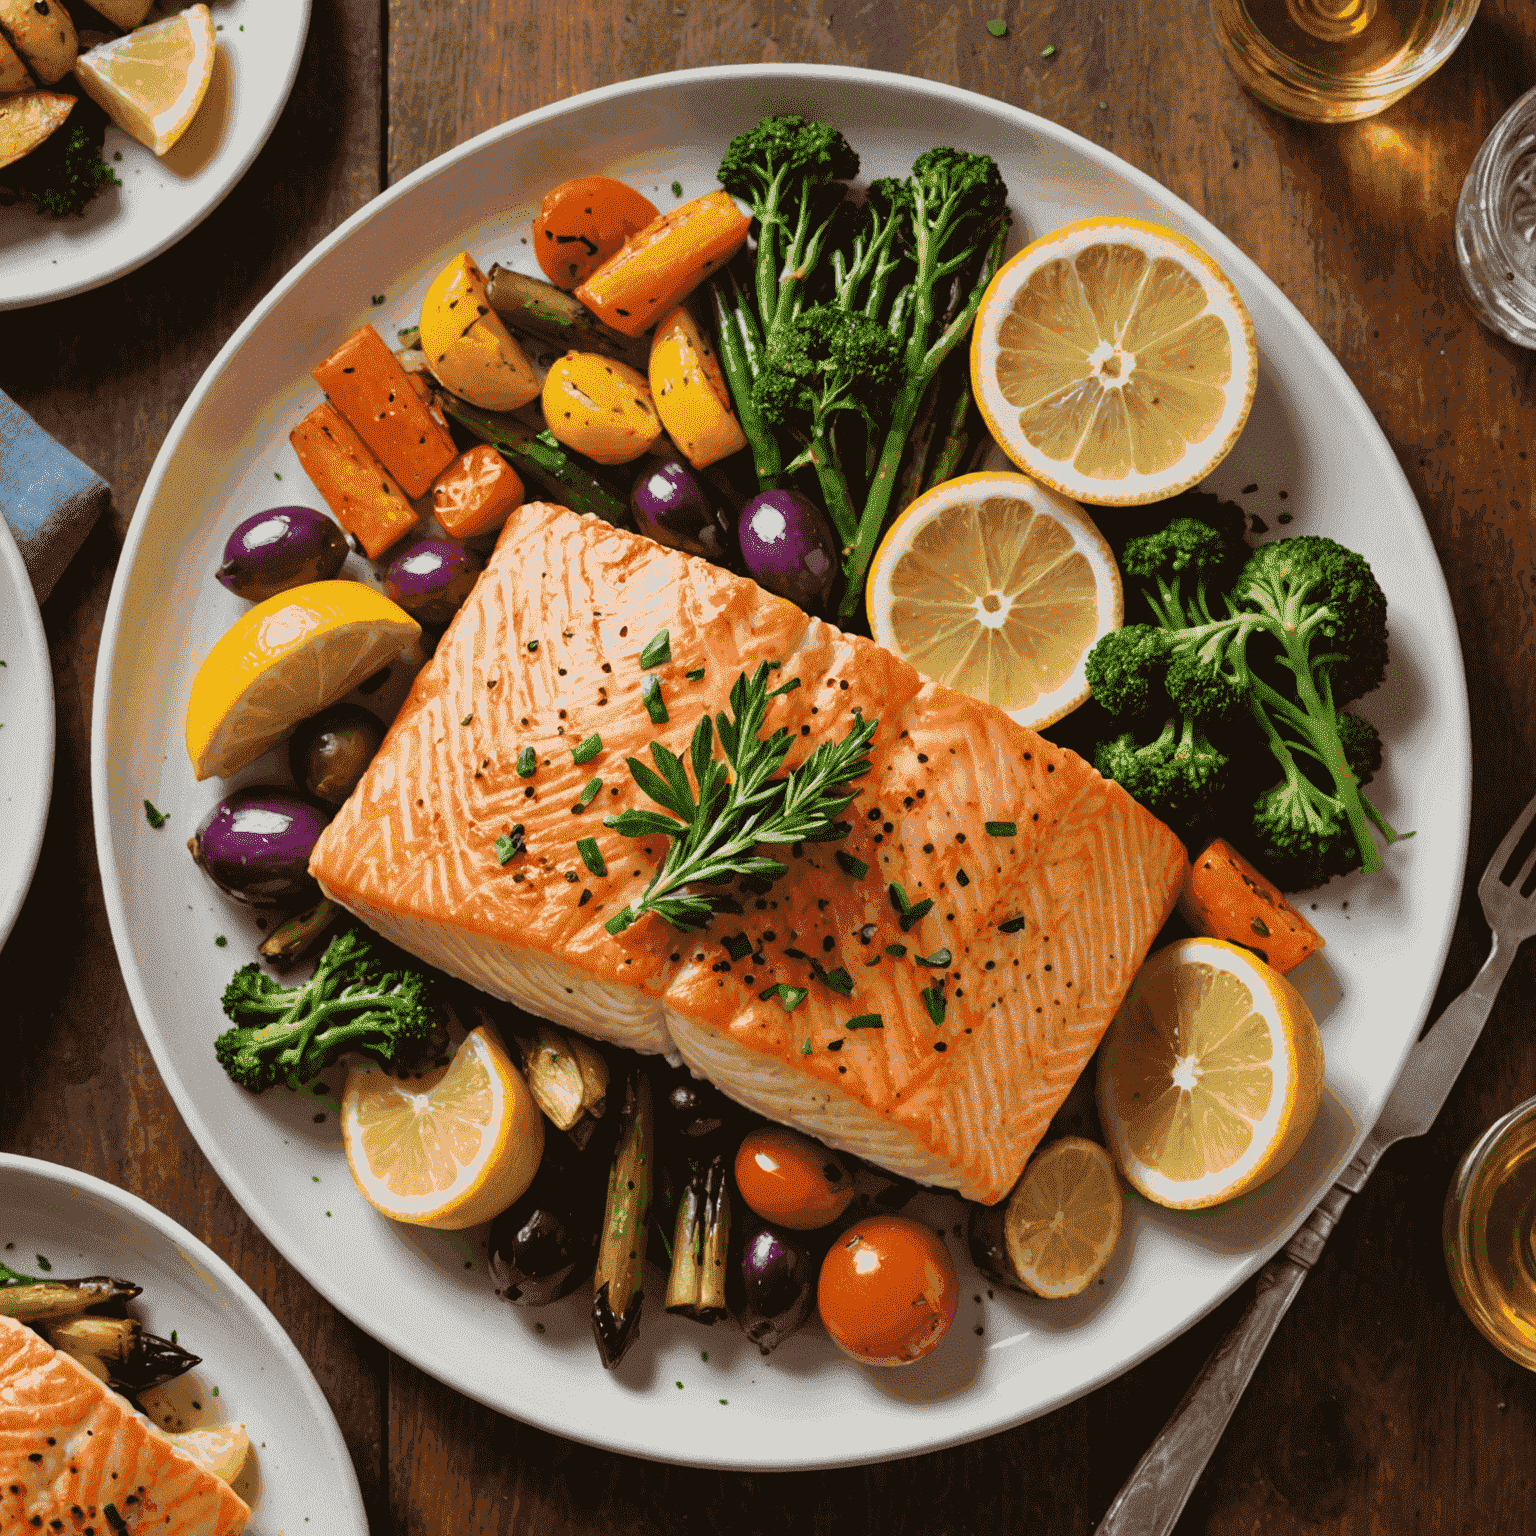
<point x="1378" y="1409"/>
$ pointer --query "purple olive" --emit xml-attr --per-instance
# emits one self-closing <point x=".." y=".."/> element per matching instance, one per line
<point x="432" y="579"/>
<point x="774" y="1282"/>
<point x="330" y="751"/>
<point x="255" y="844"/>
<point x="286" y="547"/>
<point x="789" y="546"/>
<point x="670" y="506"/>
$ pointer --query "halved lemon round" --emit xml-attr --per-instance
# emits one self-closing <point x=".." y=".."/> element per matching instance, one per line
<point x="1210" y="1076"/>
<point x="151" y="81"/>
<point x="1114" y="361"/>
<point x="449" y="1149"/>
<point x="1063" y="1219"/>
<point x="283" y="661"/>
<point x="995" y="586"/>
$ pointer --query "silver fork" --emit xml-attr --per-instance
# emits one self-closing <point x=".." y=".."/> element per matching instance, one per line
<point x="1155" y="1494"/>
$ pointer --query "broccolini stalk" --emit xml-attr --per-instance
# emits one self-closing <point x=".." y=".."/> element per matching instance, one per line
<point x="616" y="1282"/>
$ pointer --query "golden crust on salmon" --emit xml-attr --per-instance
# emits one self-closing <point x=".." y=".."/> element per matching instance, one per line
<point x="75" y="1457"/>
<point x="1044" y="925"/>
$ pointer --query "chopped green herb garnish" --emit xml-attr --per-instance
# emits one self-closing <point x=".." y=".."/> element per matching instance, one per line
<point x="914" y="915"/>
<point x="43" y="1264"/>
<point x="533" y="646"/>
<point x="1002" y="829"/>
<point x="896" y="951"/>
<point x="839" y="980"/>
<point x="850" y="865"/>
<point x="590" y="856"/>
<point x="588" y="749"/>
<point x="865" y="1021"/>
<point x="527" y="762"/>
<point x="738" y="946"/>
<point x="805" y="1047"/>
<point x="998" y="27"/>
<point x="1048" y="51"/>
<point x="153" y="817"/>
<point x="1013" y="925"/>
<point x="677" y="191"/>
<point x="962" y="877"/>
<point x="936" y="961"/>
<point x="590" y="793"/>
<point x="650" y="696"/>
<point x="933" y="1001"/>
<point x="508" y="847"/>
<point x="586" y="896"/>
<point x="789" y="997"/>
<point x="221" y="941"/>
<point x="899" y="897"/>
<point x="115" y="1520"/>
<point x="468" y="719"/>
<point x="657" y="649"/>
<point x="694" y="674"/>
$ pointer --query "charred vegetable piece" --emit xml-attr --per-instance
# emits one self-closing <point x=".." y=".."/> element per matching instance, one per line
<point x="617" y="1281"/>
<point x="671" y="507"/>
<point x="545" y="1245"/>
<point x="692" y="1114"/>
<point x="40" y="1300"/>
<point x="986" y="1238"/>
<point x="432" y="579"/>
<point x="467" y="346"/>
<point x="773" y="1283"/>
<point x="691" y="395"/>
<point x="255" y="844"/>
<point x="135" y="1361"/>
<point x="297" y="936"/>
<point x="329" y="752"/>
<point x="287" y="547"/>
<point x="600" y="407"/>
<point x="356" y="487"/>
<point x="582" y="222"/>
<point x="544" y="311"/>
<point x="700" y="1247"/>
<point x="1225" y="897"/>
<point x="108" y="1338"/>
<point x="567" y="1077"/>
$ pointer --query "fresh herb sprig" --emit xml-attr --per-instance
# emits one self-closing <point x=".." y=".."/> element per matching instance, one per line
<point x="739" y="804"/>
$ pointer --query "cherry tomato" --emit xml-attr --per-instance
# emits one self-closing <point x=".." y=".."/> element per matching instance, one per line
<point x="790" y="1179"/>
<point x="584" y="222"/>
<point x="888" y="1291"/>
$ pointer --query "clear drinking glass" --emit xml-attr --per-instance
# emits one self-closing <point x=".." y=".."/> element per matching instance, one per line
<point x="1332" y="61"/>
<point x="1496" y="226"/>
<point x="1490" y="1234"/>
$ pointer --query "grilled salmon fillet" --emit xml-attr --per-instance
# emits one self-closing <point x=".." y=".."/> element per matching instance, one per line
<point x="1036" y="925"/>
<point x="75" y="1457"/>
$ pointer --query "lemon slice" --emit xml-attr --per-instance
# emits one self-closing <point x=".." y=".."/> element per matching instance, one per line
<point x="1114" y="361"/>
<point x="1063" y="1219"/>
<point x="1210" y="1075"/>
<point x="152" y="81"/>
<point x="450" y="1148"/>
<point x="996" y="586"/>
<point x="219" y="1449"/>
<point x="284" y="660"/>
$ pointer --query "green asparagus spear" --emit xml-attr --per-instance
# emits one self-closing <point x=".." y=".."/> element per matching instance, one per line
<point x="551" y="314"/>
<point x="696" y="1286"/>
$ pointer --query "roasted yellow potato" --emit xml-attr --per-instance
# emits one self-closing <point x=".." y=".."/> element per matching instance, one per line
<point x="42" y="33"/>
<point x="691" y="395"/>
<point x="13" y="72"/>
<point x="467" y="346"/>
<point x="600" y="407"/>
<point x="26" y="120"/>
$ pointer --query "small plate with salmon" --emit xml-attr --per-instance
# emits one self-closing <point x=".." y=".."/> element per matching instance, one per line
<point x="67" y="1438"/>
<point x="947" y="962"/>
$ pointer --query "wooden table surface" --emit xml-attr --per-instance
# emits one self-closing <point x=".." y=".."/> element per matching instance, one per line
<point x="1378" y="1408"/>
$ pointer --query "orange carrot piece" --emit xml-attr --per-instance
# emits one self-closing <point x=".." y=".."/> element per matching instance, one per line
<point x="369" y="387"/>
<point x="582" y="223"/>
<point x="356" y="487"/>
<point x="476" y="493"/>
<point x="665" y="262"/>
<point x="1227" y="898"/>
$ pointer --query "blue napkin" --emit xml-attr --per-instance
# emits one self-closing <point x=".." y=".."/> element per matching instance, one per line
<point x="50" y="499"/>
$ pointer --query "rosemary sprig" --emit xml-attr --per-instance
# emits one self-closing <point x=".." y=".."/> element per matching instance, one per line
<point x="739" y="804"/>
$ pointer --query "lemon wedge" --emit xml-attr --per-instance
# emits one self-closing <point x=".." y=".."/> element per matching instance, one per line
<point x="997" y="587"/>
<point x="1114" y="361"/>
<point x="448" y="1149"/>
<point x="1064" y="1217"/>
<point x="1210" y="1075"/>
<point x="219" y="1449"/>
<point x="284" y="660"/>
<point x="151" y="81"/>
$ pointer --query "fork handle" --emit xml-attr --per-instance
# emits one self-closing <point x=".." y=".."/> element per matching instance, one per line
<point x="1154" y="1496"/>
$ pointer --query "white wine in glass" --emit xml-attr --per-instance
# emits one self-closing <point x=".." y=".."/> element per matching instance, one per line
<point x="1337" y="60"/>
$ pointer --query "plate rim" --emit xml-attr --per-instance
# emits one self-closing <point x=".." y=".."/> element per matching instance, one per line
<point x="37" y="639"/>
<point x="1232" y="258"/>
<point x="176" y="232"/>
<point x="139" y="1210"/>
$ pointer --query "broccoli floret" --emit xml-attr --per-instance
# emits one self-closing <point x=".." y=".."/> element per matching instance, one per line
<point x="355" y="1001"/>
<point x="1302" y="836"/>
<point x="1181" y="776"/>
<point x="1362" y="747"/>
<point x="63" y="174"/>
<point x="1187" y="560"/>
<point x="1126" y="669"/>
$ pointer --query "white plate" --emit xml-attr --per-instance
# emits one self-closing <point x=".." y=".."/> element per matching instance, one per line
<point x="42" y="258"/>
<point x="299" y="1470"/>
<point x="26" y="731"/>
<point x="1310" y="437"/>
